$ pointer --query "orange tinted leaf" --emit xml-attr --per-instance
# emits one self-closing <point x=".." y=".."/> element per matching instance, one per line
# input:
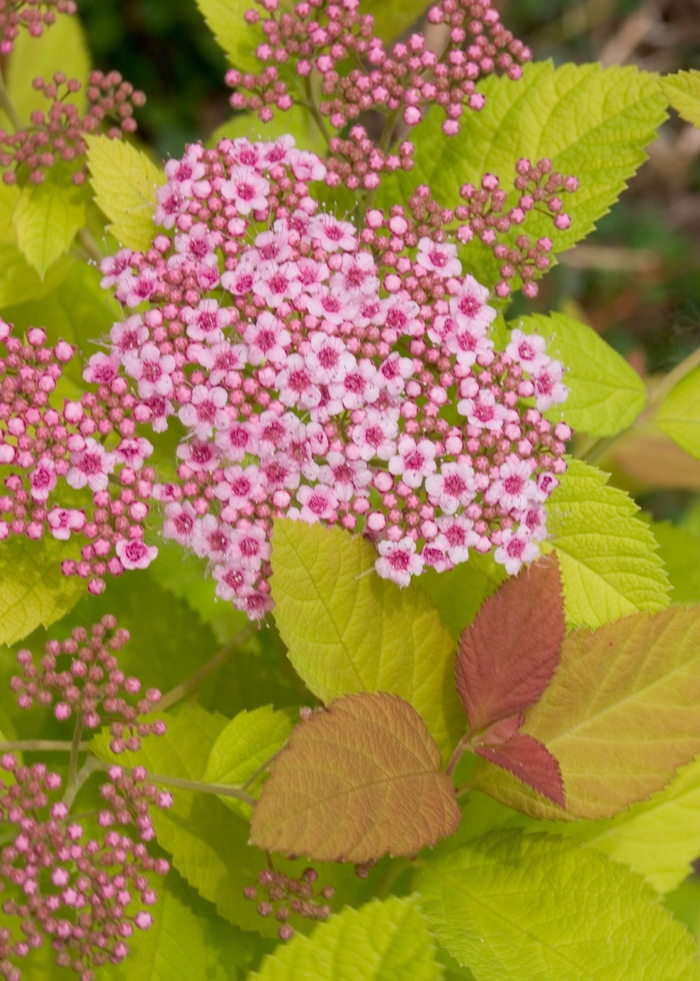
<point x="508" y="656"/>
<point x="530" y="761"/>
<point x="356" y="780"/>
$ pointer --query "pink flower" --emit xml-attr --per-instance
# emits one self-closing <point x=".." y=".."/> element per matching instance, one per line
<point x="549" y="388"/>
<point x="513" y="489"/>
<point x="333" y="234"/>
<point x="306" y="166"/>
<point x="329" y="360"/>
<point x="414" y="461"/>
<point x="470" y="343"/>
<point x="135" y="554"/>
<point x="199" y="455"/>
<point x="267" y="339"/>
<point x="439" y="258"/>
<point x="347" y="477"/>
<point x="393" y="373"/>
<point x="359" y="387"/>
<point x="101" y="369"/>
<point x="179" y="522"/>
<point x="357" y="276"/>
<point x="138" y="289"/>
<point x="515" y="549"/>
<point x="470" y="302"/>
<point x="233" y="582"/>
<point x="527" y="350"/>
<point x="205" y="412"/>
<point x="133" y="452"/>
<point x="113" y="266"/>
<point x="399" y="561"/>
<point x="91" y="466"/>
<point x="152" y="370"/>
<point x="452" y="488"/>
<point x="237" y="440"/>
<point x="275" y="284"/>
<point x="456" y="537"/>
<point x="375" y="435"/>
<point x="129" y="336"/>
<point x="249" y="547"/>
<point x="241" y="486"/>
<point x="483" y="411"/>
<point x="207" y="322"/>
<point x="295" y="385"/>
<point x="211" y="539"/>
<point x="247" y="189"/>
<point x="62" y="521"/>
<point x="43" y="479"/>
<point x="220" y="359"/>
<point x="319" y="503"/>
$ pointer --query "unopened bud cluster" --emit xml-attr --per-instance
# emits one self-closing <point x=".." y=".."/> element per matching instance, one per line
<point x="57" y="136"/>
<point x="80" y="894"/>
<point x="399" y="83"/>
<point x="283" y="895"/>
<point x="87" y="449"/>
<point x="33" y="15"/>
<point x="89" y="684"/>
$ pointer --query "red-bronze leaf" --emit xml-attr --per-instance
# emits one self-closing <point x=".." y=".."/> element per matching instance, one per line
<point x="508" y="656"/>
<point x="529" y="760"/>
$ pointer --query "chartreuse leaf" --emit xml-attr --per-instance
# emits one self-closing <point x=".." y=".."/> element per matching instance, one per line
<point x="683" y="92"/>
<point x="47" y="217"/>
<point x="607" y="556"/>
<point x="125" y="183"/>
<point x="208" y="842"/>
<point x="517" y="907"/>
<point x="188" y="941"/>
<point x="590" y="121"/>
<point x="9" y="195"/>
<point x="61" y="48"/>
<point x="225" y="19"/>
<point x="33" y="590"/>
<point x="605" y="392"/>
<point x="393" y="17"/>
<point x="357" y="780"/>
<point x="459" y="593"/>
<point x="679" y="549"/>
<point x="247" y="742"/>
<point x="386" y="941"/>
<point x="20" y="283"/>
<point x="347" y="630"/>
<point x="620" y="715"/>
<point x="679" y="413"/>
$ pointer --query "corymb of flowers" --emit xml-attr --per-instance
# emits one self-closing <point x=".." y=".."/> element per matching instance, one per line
<point x="322" y="371"/>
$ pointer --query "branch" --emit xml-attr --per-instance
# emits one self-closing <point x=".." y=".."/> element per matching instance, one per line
<point x="40" y="746"/>
<point x="208" y="669"/>
<point x="220" y="789"/>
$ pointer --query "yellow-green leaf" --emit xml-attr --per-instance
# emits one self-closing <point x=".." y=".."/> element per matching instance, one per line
<point x="247" y="742"/>
<point x="386" y="941"/>
<point x="33" y="590"/>
<point x="347" y="630"/>
<point x="225" y="19"/>
<point x="607" y="556"/>
<point x="683" y="92"/>
<point x="19" y="283"/>
<point x="47" y="217"/>
<point x="679" y="413"/>
<point x="680" y="550"/>
<point x="605" y="392"/>
<point x="9" y="195"/>
<point x="125" y="183"/>
<point x="519" y="907"/>
<point x="393" y="17"/>
<point x="621" y="714"/>
<point x="356" y="780"/>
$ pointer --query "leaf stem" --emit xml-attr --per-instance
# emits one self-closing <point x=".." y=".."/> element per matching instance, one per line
<point x="88" y="242"/>
<point x="207" y="670"/>
<point x="8" y="105"/>
<point x="88" y="768"/>
<point x="39" y="746"/>
<point x="220" y="789"/>
<point x="459" y="752"/>
<point x="313" y="109"/>
<point x="73" y="762"/>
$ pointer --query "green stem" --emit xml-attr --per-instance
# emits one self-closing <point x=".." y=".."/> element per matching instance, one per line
<point x="88" y="242"/>
<point x="391" y="873"/>
<point x="261" y="769"/>
<point x="208" y="669"/>
<point x="81" y="777"/>
<point x="220" y="789"/>
<point x="39" y="746"/>
<point x="73" y="762"/>
<point x="313" y="109"/>
<point x="459" y="752"/>
<point x="8" y="105"/>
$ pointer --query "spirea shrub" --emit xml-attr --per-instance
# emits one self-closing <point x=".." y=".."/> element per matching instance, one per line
<point x="375" y="647"/>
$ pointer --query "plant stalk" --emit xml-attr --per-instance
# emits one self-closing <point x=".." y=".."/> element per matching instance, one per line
<point x="8" y="105"/>
<point x="40" y="746"/>
<point x="207" y="670"/>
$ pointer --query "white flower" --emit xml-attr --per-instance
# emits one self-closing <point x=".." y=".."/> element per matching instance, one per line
<point x="452" y="488"/>
<point x="414" y="461"/>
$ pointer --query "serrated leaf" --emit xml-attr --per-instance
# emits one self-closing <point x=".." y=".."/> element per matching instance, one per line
<point x="516" y="907"/>
<point x="393" y="17"/>
<point x="679" y="413"/>
<point x="679" y="549"/>
<point x="347" y="630"/>
<point x="386" y="941"/>
<point x="607" y="556"/>
<point x="247" y="742"/>
<point x="605" y="392"/>
<point x="33" y="590"/>
<point x="355" y="781"/>
<point x="459" y="592"/>
<point x="530" y="761"/>
<point x="507" y="657"/>
<point x="47" y="218"/>
<point x="683" y="92"/>
<point x="61" y="48"/>
<point x="590" y="121"/>
<point x="620" y="715"/>
<point x="208" y="842"/>
<point x="125" y="183"/>
<point x="19" y="283"/>
<point x="225" y="19"/>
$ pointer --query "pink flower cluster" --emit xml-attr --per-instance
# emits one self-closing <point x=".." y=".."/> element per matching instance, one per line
<point x="287" y="895"/>
<point x="328" y="374"/>
<point x="321" y="35"/>
<point x="58" y="134"/>
<point x="90" y="685"/>
<point x="34" y="15"/>
<point x="88" y="451"/>
<point x="78" y="892"/>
